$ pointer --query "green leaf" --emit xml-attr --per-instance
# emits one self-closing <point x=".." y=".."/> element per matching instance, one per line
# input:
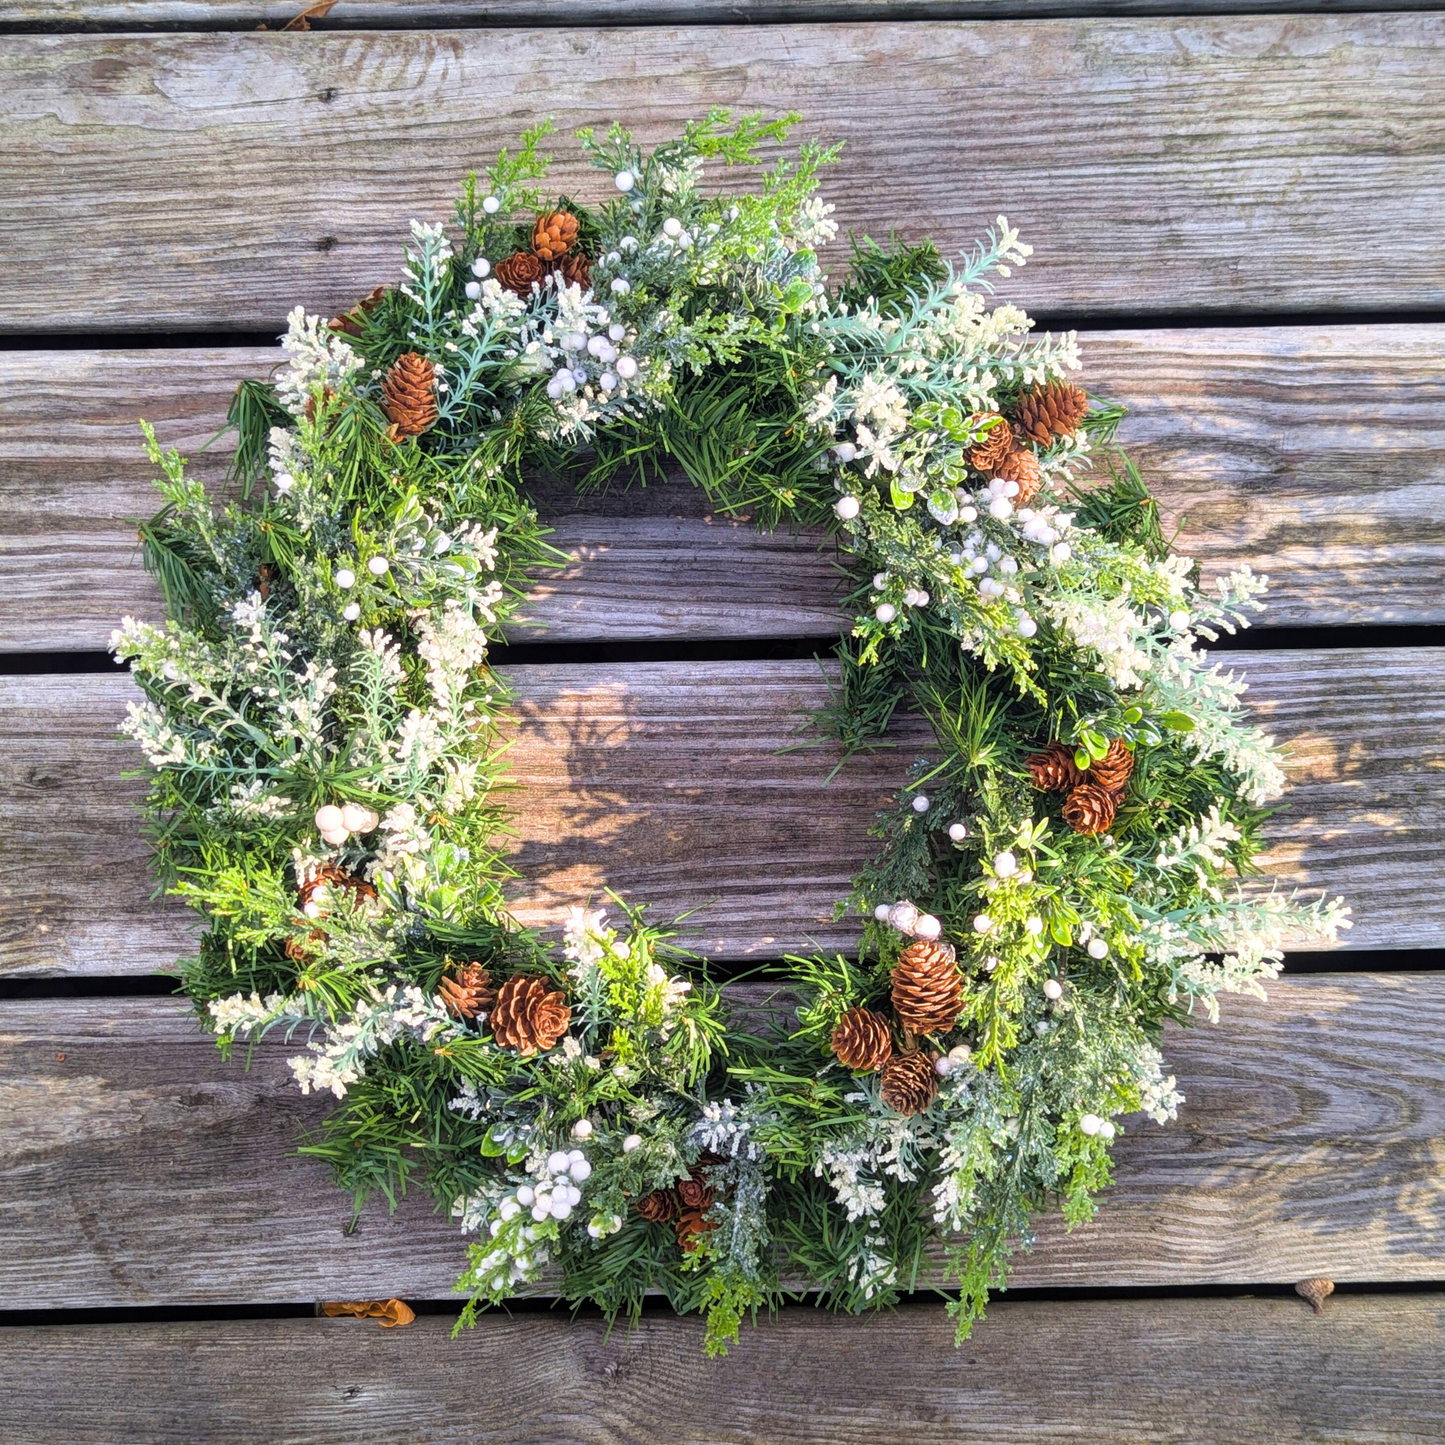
<point x="1179" y="722"/>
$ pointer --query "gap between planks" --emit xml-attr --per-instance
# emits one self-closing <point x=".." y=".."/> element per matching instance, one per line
<point x="1210" y="163"/>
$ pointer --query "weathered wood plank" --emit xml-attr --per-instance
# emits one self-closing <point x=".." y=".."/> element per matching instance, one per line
<point x="1099" y="1372"/>
<point x="1157" y="164"/>
<point x="138" y="1168"/>
<point x="664" y="781"/>
<point x="1315" y="454"/>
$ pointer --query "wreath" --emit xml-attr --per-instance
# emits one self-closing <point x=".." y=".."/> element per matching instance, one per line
<point x="1060" y="875"/>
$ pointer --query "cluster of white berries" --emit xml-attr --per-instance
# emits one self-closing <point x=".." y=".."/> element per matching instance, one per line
<point x="1092" y="1124"/>
<point x="481" y="269"/>
<point x="885" y="612"/>
<point x="586" y="353"/>
<point x="979" y="558"/>
<point x="336" y="825"/>
<point x="1038" y="529"/>
<point x="955" y="1058"/>
<point x="345" y="579"/>
<point x="905" y="917"/>
<point x="554" y="1195"/>
<point x="998" y="496"/>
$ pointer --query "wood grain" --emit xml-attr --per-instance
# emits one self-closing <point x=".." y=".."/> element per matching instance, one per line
<point x="138" y="1168"/>
<point x="664" y="782"/>
<point x="1314" y="454"/>
<point x="1102" y="1372"/>
<point x="1158" y="165"/>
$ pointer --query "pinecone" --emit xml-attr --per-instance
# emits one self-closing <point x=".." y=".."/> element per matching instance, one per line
<point x="315" y="889"/>
<point x="695" y="1192"/>
<point x="927" y="987"/>
<point x="518" y="272"/>
<point x="554" y="235"/>
<point x="1050" y="411"/>
<point x="528" y="1016"/>
<point x="1113" y="770"/>
<point x="691" y="1225"/>
<point x="349" y="323"/>
<point x="909" y="1082"/>
<point x="1090" y="808"/>
<point x="469" y="993"/>
<point x="408" y="395"/>
<point x="994" y="445"/>
<point x="657" y="1207"/>
<point x="1054" y="769"/>
<point x="862" y="1040"/>
<point x="1021" y="467"/>
<point x="576" y="270"/>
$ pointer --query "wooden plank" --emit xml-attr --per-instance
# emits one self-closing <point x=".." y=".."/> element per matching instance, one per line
<point x="1097" y="1372"/>
<point x="138" y="1168"/>
<point x="1157" y="164"/>
<point x="1315" y="454"/>
<point x="664" y="782"/>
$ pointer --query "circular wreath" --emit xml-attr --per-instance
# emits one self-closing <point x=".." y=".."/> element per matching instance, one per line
<point x="1059" y="876"/>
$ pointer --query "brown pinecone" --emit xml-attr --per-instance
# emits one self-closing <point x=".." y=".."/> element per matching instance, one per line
<point x="1113" y="770"/>
<point x="695" y="1192"/>
<point x="927" y="987"/>
<point x="408" y="395"/>
<point x="554" y="235"/>
<point x="1050" y="411"/>
<point x="349" y="322"/>
<point x="1021" y="467"/>
<point x="468" y="993"/>
<point x="324" y="882"/>
<point x="691" y="1225"/>
<point x="518" y="272"/>
<point x="994" y="445"/>
<point x="576" y="270"/>
<point x="528" y="1016"/>
<point x="1090" y="808"/>
<point x="1054" y="769"/>
<point x="862" y="1040"/>
<point x="657" y="1207"/>
<point x="909" y="1082"/>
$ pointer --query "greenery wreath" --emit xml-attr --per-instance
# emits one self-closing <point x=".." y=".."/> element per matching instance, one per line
<point x="1059" y="877"/>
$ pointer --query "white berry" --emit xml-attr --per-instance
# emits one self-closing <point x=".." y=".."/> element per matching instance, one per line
<point x="557" y="1161"/>
<point x="626" y="367"/>
<point x="903" y="916"/>
<point x="620" y="286"/>
<point x="1034" y="926"/>
<point x="491" y="205"/>
<point x="1098" y="948"/>
<point x="624" y="181"/>
<point x="882" y="911"/>
<point x="351" y="611"/>
<point x="594" y="1232"/>
<point x="1053" y="989"/>
<point x="345" y="578"/>
<point x="617" y="331"/>
<point x="473" y="290"/>
<point x="526" y="1195"/>
<point x="328" y="818"/>
<point x="845" y="451"/>
<point x="982" y="923"/>
<point x="1106" y="1130"/>
<point x="354" y="818"/>
<point x="920" y="804"/>
<point x="672" y="227"/>
<point x="1090" y="1124"/>
<point x="580" y="1170"/>
<point x="942" y="1064"/>
<point x="847" y="508"/>
<point x="1026" y="626"/>
<point x="885" y="612"/>
<point x="582" y="1129"/>
<point x="607" y="381"/>
<point x="1005" y="865"/>
<point x="960" y="1053"/>
<point x="631" y="1143"/>
<point x="378" y="566"/>
<point x="481" y="267"/>
<point x="958" y="831"/>
<point x="928" y="927"/>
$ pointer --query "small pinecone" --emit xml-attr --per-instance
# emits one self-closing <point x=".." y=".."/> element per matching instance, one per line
<point x="1021" y="467"/>
<point x="691" y="1224"/>
<point x="348" y="323"/>
<point x="695" y="1191"/>
<point x="408" y="395"/>
<point x="1113" y="770"/>
<point x="469" y="993"/>
<point x="657" y="1207"/>
<point x="1050" y="411"/>
<point x="1090" y="808"/>
<point x="995" y="444"/>
<point x="927" y="987"/>
<point x="1054" y="769"/>
<point x="909" y="1082"/>
<point x="327" y="880"/>
<point x="862" y="1040"/>
<point x="554" y="235"/>
<point x="576" y="270"/>
<point x="518" y="272"/>
<point x="528" y="1016"/>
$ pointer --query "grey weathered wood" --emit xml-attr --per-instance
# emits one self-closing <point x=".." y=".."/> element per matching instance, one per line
<point x="664" y="782"/>
<point x="128" y="15"/>
<point x="1099" y="1372"/>
<point x="139" y="1168"/>
<point x="1315" y="454"/>
<point x="1157" y="164"/>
